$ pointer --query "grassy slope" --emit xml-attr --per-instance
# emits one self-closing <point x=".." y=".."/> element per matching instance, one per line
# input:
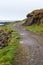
<point x="7" y="54"/>
<point x="35" y="28"/>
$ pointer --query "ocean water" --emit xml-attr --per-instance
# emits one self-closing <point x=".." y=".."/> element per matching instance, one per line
<point x="1" y="24"/>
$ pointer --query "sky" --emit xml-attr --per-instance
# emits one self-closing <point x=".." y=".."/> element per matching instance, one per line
<point x="18" y="9"/>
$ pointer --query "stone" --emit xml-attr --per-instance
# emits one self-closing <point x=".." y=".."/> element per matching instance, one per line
<point x="35" y="17"/>
<point x="4" y="38"/>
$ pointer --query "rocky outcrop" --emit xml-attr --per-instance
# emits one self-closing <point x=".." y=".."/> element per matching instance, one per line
<point x="35" y="17"/>
<point x="4" y="38"/>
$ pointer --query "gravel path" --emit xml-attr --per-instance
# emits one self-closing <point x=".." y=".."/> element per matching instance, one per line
<point x="32" y="47"/>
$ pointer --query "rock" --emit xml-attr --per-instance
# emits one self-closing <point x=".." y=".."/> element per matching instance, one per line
<point x="4" y="38"/>
<point x="35" y="17"/>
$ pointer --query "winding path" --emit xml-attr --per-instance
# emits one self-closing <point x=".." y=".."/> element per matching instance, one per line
<point x="32" y="47"/>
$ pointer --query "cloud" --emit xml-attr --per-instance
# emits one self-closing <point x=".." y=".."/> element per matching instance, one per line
<point x="17" y="9"/>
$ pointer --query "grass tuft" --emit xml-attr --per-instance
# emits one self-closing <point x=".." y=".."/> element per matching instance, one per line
<point x="36" y="28"/>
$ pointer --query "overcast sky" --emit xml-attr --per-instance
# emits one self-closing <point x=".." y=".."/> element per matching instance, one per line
<point x="17" y="9"/>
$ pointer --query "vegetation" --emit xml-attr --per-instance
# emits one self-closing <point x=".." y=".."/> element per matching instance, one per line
<point x="7" y="53"/>
<point x="36" y="28"/>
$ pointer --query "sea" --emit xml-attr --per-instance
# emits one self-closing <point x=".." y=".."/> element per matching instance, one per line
<point x="1" y="24"/>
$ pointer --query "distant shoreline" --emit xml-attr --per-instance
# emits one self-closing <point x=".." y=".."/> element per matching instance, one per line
<point x="1" y="24"/>
<point x="4" y="23"/>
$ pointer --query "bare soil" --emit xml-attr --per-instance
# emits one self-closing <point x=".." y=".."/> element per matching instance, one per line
<point x="32" y="47"/>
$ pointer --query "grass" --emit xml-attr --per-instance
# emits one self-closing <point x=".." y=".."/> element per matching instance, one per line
<point x="35" y="28"/>
<point x="7" y="54"/>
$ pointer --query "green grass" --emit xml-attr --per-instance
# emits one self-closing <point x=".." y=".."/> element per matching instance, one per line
<point x="36" y="28"/>
<point x="7" y="54"/>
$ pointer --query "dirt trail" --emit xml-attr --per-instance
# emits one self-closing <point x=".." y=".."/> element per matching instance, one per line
<point x="32" y="47"/>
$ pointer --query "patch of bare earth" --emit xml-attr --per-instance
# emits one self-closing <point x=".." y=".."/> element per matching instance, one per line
<point x="31" y="49"/>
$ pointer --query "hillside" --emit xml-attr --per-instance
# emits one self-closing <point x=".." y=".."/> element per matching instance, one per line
<point x="9" y="41"/>
<point x="34" y="21"/>
<point x="35" y="17"/>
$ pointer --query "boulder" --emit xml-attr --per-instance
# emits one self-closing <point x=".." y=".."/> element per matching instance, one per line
<point x="4" y="38"/>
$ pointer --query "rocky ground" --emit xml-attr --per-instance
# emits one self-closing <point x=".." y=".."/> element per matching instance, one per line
<point x="4" y="38"/>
